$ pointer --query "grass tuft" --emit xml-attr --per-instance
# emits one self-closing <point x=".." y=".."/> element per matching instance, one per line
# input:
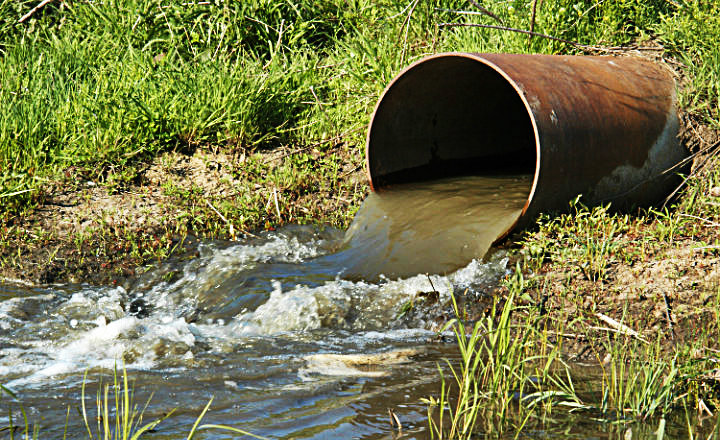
<point x="117" y="415"/>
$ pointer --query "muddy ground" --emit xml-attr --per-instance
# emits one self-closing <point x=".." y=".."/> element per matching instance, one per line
<point x="100" y="232"/>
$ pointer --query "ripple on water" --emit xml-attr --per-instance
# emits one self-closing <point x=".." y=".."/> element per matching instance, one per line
<point x="246" y="322"/>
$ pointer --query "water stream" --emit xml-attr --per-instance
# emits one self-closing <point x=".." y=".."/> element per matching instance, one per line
<point x="294" y="334"/>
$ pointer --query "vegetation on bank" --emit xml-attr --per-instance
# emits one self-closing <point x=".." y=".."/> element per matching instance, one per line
<point x="93" y="95"/>
<point x="92" y="90"/>
<point x="514" y="379"/>
<point x="117" y="416"/>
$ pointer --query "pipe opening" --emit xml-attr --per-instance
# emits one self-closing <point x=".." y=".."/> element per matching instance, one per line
<point x="447" y="116"/>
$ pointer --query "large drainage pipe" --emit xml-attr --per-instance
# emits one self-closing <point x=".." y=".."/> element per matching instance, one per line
<point x="603" y="127"/>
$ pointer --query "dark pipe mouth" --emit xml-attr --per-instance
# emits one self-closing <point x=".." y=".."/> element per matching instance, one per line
<point x="449" y="115"/>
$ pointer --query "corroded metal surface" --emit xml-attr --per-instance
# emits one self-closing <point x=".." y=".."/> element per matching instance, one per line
<point x="603" y="127"/>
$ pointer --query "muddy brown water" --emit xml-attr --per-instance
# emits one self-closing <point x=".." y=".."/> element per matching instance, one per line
<point x="426" y="227"/>
<point x="294" y="334"/>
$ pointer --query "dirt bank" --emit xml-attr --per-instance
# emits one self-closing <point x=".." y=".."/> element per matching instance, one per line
<point x="101" y="229"/>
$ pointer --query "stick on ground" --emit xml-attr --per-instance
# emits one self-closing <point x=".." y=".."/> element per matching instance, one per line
<point x="34" y="10"/>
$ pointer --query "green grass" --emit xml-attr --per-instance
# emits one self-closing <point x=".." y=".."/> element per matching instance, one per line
<point x="509" y="372"/>
<point x="588" y="239"/>
<point x="688" y="35"/>
<point x="102" y="86"/>
<point x="120" y="403"/>
<point x="511" y="377"/>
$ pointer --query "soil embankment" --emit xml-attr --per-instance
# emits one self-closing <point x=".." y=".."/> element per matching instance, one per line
<point x="102" y="232"/>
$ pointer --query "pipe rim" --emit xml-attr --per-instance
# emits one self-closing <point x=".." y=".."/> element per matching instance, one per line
<point x="518" y="90"/>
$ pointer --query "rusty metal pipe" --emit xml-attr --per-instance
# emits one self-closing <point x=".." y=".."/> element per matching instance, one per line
<point x="603" y="127"/>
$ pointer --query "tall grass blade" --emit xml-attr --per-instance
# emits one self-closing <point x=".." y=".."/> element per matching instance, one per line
<point x="660" y="433"/>
<point x="232" y="429"/>
<point x="151" y="425"/>
<point x="82" y="405"/>
<point x="200" y="417"/>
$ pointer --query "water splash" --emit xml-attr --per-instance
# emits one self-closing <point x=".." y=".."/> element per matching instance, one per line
<point x="287" y="319"/>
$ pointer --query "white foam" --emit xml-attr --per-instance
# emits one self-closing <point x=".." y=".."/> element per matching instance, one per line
<point x="216" y="265"/>
<point x="91" y="328"/>
<point x="7" y="321"/>
<point x="478" y="272"/>
<point x="373" y="305"/>
<point x="402" y="334"/>
<point x="296" y="310"/>
<point x="278" y="247"/>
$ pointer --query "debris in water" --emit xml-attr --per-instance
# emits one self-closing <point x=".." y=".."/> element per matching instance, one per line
<point x="361" y="364"/>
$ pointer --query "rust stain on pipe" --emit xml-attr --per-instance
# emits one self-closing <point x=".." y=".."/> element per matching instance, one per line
<point x="603" y="127"/>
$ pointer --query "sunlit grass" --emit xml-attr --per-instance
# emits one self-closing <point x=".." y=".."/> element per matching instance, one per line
<point x="508" y="373"/>
<point x="105" y="85"/>
<point x="511" y="376"/>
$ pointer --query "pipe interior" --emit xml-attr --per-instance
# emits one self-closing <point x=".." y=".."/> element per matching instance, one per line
<point x="449" y="116"/>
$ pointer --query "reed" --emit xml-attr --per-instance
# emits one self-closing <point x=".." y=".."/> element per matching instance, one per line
<point x="507" y="371"/>
<point x="511" y="374"/>
<point x="24" y="429"/>
<point x="117" y="415"/>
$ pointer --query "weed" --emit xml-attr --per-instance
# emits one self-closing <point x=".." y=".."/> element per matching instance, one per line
<point x="118" y="417"/>
<point x="127" y="421"/>
<point x="587" y="240"/>
<point x="506" y="371"/>
<point x="636" y="385"/>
